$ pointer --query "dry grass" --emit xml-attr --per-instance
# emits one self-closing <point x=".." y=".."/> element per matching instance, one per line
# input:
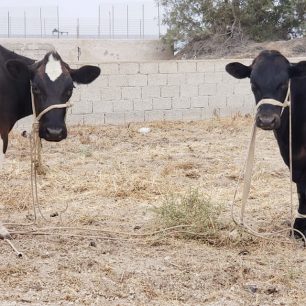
<point x="113" y="178"/>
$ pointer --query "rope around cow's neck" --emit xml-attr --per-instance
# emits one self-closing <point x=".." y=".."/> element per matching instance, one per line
<point x="35" y="147"/>
<point x="248" y="167"/>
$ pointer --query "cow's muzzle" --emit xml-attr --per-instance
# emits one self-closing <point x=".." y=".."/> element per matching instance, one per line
<point x="268" y="122"/>
<point x="55" y="134"/>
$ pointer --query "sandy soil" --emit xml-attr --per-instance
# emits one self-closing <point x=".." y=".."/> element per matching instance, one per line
<point x="111" y="178"/>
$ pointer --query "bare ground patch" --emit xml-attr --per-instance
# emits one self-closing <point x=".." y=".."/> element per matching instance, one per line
<point x="112" y="178"/>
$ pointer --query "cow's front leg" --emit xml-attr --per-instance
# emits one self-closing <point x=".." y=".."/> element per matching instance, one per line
<point x="4" y="233"/>
<point x="300" y="221"/>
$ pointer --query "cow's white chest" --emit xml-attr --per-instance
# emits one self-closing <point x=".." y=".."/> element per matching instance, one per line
<point x="53" y="68"/>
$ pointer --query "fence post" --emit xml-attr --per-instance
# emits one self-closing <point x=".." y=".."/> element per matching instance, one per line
<point x="40" y="19"/>
<point x="58" y="24"/>
<point x="25" y="24"/>
<point x="8" y="23"/>
<point x="78" y="28"/>
<point x="158" y="16"/>
<point x="140" y="28"/>
<point x="127" y="21"/>
<point x="143" y="21"/>
<point x="99" y="22"/>
<point x="113" y="21"/>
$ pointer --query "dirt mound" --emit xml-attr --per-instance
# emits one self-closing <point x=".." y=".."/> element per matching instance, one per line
<point x="216" y="48"/>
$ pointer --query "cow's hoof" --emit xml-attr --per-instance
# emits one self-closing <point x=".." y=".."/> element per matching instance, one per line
<point x="300" y="226"/>
<point x="4" y="234"/>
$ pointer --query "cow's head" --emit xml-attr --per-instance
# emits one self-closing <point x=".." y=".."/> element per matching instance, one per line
<point x="52" y="82"/>
<point x="269" y="74"/>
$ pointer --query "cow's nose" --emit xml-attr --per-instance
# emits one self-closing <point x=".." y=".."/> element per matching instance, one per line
<point x="54" y="133"/>
<point x="268" y="122"/>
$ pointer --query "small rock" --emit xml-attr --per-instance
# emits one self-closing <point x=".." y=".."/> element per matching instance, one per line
<point x="55" y="214"/>
<point x="92" y="244"/>
<point x="137" y="227"/>
<point x="144" y="130"/>
<point x="251" y="288"/>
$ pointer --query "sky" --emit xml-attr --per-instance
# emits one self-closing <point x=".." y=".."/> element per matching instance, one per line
<point x="84" y="10"/>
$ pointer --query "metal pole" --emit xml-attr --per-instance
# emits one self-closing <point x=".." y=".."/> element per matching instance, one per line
<point x="58" y="24"/>
<point x="158" y="16"/>
<point x="110" y="24"/>
<point x="140" y="27"/>
<point x="44" y="27"/>
<point x="127" y="21"/>
<point x="40" y="19"/>
<point x="143" y="21"/>
<point x="99" y="23"/>
<point x="25" y="24"/>
<point x="113" y="21"/>
<point x="78" y="28"/>
<point x="8" y="24"/>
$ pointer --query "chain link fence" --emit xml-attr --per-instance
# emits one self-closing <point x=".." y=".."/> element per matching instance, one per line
<point x="112" y="21"/>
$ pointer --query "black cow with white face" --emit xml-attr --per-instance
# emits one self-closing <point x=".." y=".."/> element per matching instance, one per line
<point x="51" y="81"/>
<point x="269" y="74"/>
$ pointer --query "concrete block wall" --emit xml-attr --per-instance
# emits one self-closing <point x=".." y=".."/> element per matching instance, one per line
<point x="160" y="90"/>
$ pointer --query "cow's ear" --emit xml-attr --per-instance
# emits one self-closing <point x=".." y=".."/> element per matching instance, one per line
<point x="238" y="70"/>
<point x="18" y="70"/>
<point x="85" y="74"/>
<point x="297" y="70"/>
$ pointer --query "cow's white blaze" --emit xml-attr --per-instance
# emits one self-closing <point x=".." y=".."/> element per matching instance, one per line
<point x="53" y="68"/>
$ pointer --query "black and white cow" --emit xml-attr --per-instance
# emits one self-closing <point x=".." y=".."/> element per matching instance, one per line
<point x="52" y="82"/>
<point x="269" y="74"/>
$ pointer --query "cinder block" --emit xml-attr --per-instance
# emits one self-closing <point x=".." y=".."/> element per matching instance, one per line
<point x="162" y="103"/>
<point x="83" y="107"/>
<point x="148" y="68"/>
<point x="157" y="79"/>
<point x="76" y="95"/>
<point x="154" y="115"/>
<point x="131" y="92"/>
<point x="235" y="100"/>
<point x="218" y="100"/>
<point x="109" y="68"/>
<point x="24" y="124"/>
<point x="176" y="79"/>
<point x="220" y="65"/>
<point x="143" y="104"/>
<point x="181" y="103"/>
<point x="192" y="114"/>
<point x="170" y="91"/>
<point x="195" y="78"/>
<point x="94" y="119"/>
<point x="123" y="105"/>
<point x="225" y="88"/>
<point x="138" y="80"/>
<point x="110" y="93"/>
<point x="150" y="92"/>
<point x="168" y="67"/>
<point x="213" y="77"/>
<point x="242" y="88"/>
<point x="189" y="90"/>
<point x="249" y="100"/>
<point x="207" y="89"/>
<point x="99" y="107"/>
<point x="206" y="66"/>
<point x="91" y="93"/>
<point x="173" y="114"/>
<point x="102" y="81"/>
<point x="129" y="68"/>
<point x="187" y="66"/>
<point x="201" y="101"/>
<point x="72" y="119"/>
<point x="134" y="117"/>
<point x="114" y="118"/>
<point x="118" y="80"/>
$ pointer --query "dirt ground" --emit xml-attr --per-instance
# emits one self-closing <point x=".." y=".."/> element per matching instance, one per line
<point x="110" y="178"/>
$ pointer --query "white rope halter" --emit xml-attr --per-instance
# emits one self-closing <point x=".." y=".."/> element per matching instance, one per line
<point x="34" y="136"/>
